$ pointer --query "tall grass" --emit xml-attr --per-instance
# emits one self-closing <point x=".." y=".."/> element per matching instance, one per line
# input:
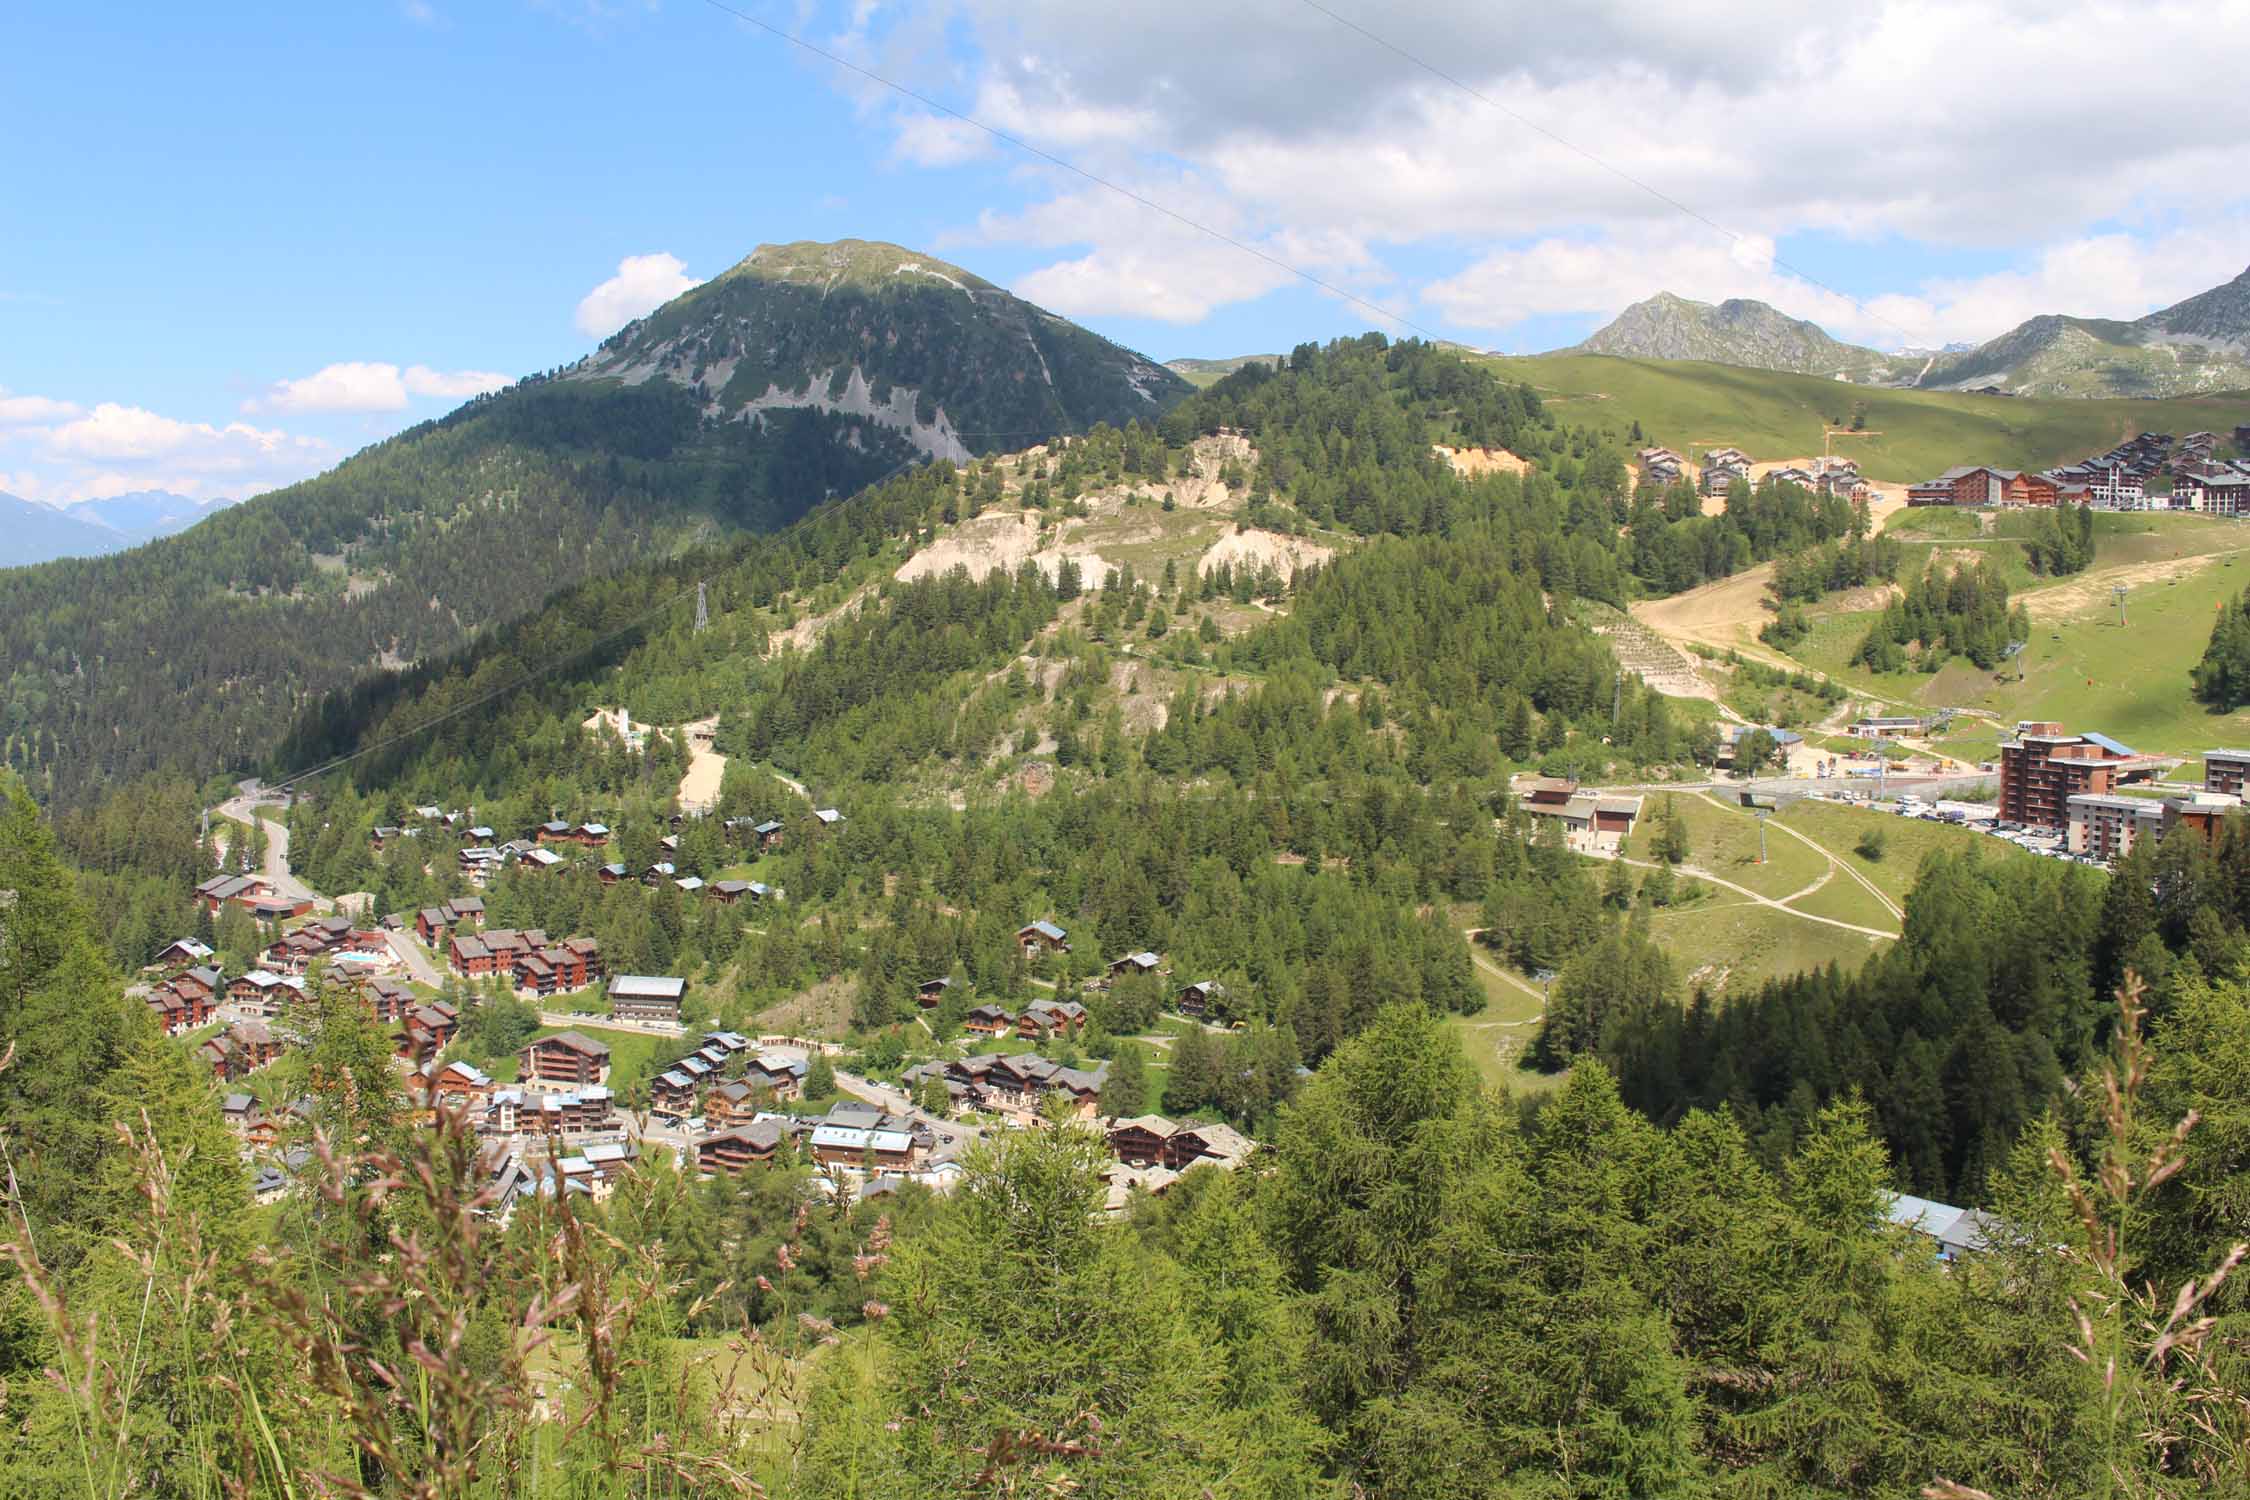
<point x="407" y="1346"/>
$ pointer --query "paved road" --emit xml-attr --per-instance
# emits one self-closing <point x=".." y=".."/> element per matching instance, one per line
<point x="419" y="968"/>
<point x="242" y="809"/>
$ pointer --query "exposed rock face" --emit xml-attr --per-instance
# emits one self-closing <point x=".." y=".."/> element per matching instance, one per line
<point x="936" y="354"/>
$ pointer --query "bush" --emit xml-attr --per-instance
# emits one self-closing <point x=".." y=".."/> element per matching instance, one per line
<point x="1871" y="844"/>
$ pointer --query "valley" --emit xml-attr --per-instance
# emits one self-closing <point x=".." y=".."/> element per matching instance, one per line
<point x="1348" y="729"/>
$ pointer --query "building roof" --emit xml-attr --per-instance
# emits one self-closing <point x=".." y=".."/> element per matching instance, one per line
<point x="853" y="1138"/>
<point x="646" y="987"/>
<point x="764" y="1135"/>
<point x="2112" y="746"/>
<point x="575" y="1041"/>
<point x="1046" y="929"/>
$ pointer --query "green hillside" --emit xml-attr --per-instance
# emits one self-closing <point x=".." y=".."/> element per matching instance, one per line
<point x="807" y="373"/>
<point x="2080" y="667"/>
<point x="1910" y="435"/>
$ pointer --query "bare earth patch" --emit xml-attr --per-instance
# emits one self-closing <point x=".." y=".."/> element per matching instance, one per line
<point x="1471" y="462"/>
<point x="1256" y="549"/>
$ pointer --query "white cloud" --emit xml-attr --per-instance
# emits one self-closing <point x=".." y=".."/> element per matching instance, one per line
<point x="2102" y="275"/>
<point x="454" y="385"/>
<point x="353" y="385"/>
<point x="1768" y="118"/>
<point x="33" y="411"/>
<point x="112" y="432"/>
<point x="643" y="283"/>
<point x="115" y="448"/>
<point x="363" y="385"/>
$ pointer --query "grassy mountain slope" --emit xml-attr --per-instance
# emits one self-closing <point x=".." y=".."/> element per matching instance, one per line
<point x="2081" y="666"/>
<point x="1910" y="435"/>
<point x="198" y="651"/>
<point x="1202" y="373"/>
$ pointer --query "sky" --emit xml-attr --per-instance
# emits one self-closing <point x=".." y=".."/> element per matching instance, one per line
<point x="239" y="242"/>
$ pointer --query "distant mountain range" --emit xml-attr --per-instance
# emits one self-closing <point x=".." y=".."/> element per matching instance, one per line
<point x="34" y="533"/>
<point x="2196" y="346"/>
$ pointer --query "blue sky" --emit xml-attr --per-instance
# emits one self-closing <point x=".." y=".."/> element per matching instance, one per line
<point x="240" y="242"/>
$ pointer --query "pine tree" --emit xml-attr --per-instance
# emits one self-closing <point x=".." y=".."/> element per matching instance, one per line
<point x="1125" y="1089"/>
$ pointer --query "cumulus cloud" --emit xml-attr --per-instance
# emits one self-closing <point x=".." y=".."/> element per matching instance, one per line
<point x="117" y="447"/>
<point x="1754" y="114"/>
<point x="33" y="411"/>
<point x="367" y="386"/>
<point x="2101" y="275"/>
<point x="454" y="385"/>
<point x="643" y="283"/>
<point x="353" y="385"/>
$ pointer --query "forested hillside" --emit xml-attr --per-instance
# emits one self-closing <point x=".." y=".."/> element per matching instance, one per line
<point x="1677" y="1241"/>
<point x="197" y="652"/>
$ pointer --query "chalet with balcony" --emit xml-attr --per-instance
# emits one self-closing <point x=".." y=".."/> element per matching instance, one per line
<point x="568" y="1057"/>
<point x="1050" y="1018"/>
<point x="646" y="997"/>
<point x="989" y="1020"/>
<point x="1200" y="999"/>
<point x="754" y="1143"/>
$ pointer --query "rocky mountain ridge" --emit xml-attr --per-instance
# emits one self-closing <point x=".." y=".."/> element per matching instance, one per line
<point x="2200" y="344"/>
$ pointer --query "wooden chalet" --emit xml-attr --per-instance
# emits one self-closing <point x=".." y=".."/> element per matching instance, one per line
<point x="609" y="874"/>
<point x="752" y="1144"/>
<point x="568" y="1057"/>
<point x="428" y="1029"/>
<point x="1199" y="999"/>
<point x="930" y="993"/>
<point x="270" y="908"/>
<point x="220" y="889"/>
<point x="1042" y="936"/>
<point x="242" y="1048"/>
<point x="1153" y="1141"/>
<point x="672" y="1093"/>
<point x="181" y="953"/>
<point x="783" y="1079"/>
<point x="726" y="892"/>
<point x="989" y="1020"/>
<point x="1047" y="1018"/>
<point x="1143" y="962"/>
<point x="850" y="1146"/>
<point x="388" y="998"/>
<point x="185" y="1001"/>
<point x="537" y="1112"/>
<point x="264" y="993"/>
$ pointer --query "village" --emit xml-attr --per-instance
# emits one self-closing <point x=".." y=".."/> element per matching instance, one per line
<point x="723" y="1106"/>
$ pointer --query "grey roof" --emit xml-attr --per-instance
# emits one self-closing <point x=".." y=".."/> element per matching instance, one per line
<point x="646" y="987"/>
<point x="1046" y="929"/>
<point x="764" y="1134"/>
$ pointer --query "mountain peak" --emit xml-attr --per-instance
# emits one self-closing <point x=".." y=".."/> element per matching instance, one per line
<point x="1738" y="331"/>
<point x="869" y="264"/>
<point x="870" y="333"/>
